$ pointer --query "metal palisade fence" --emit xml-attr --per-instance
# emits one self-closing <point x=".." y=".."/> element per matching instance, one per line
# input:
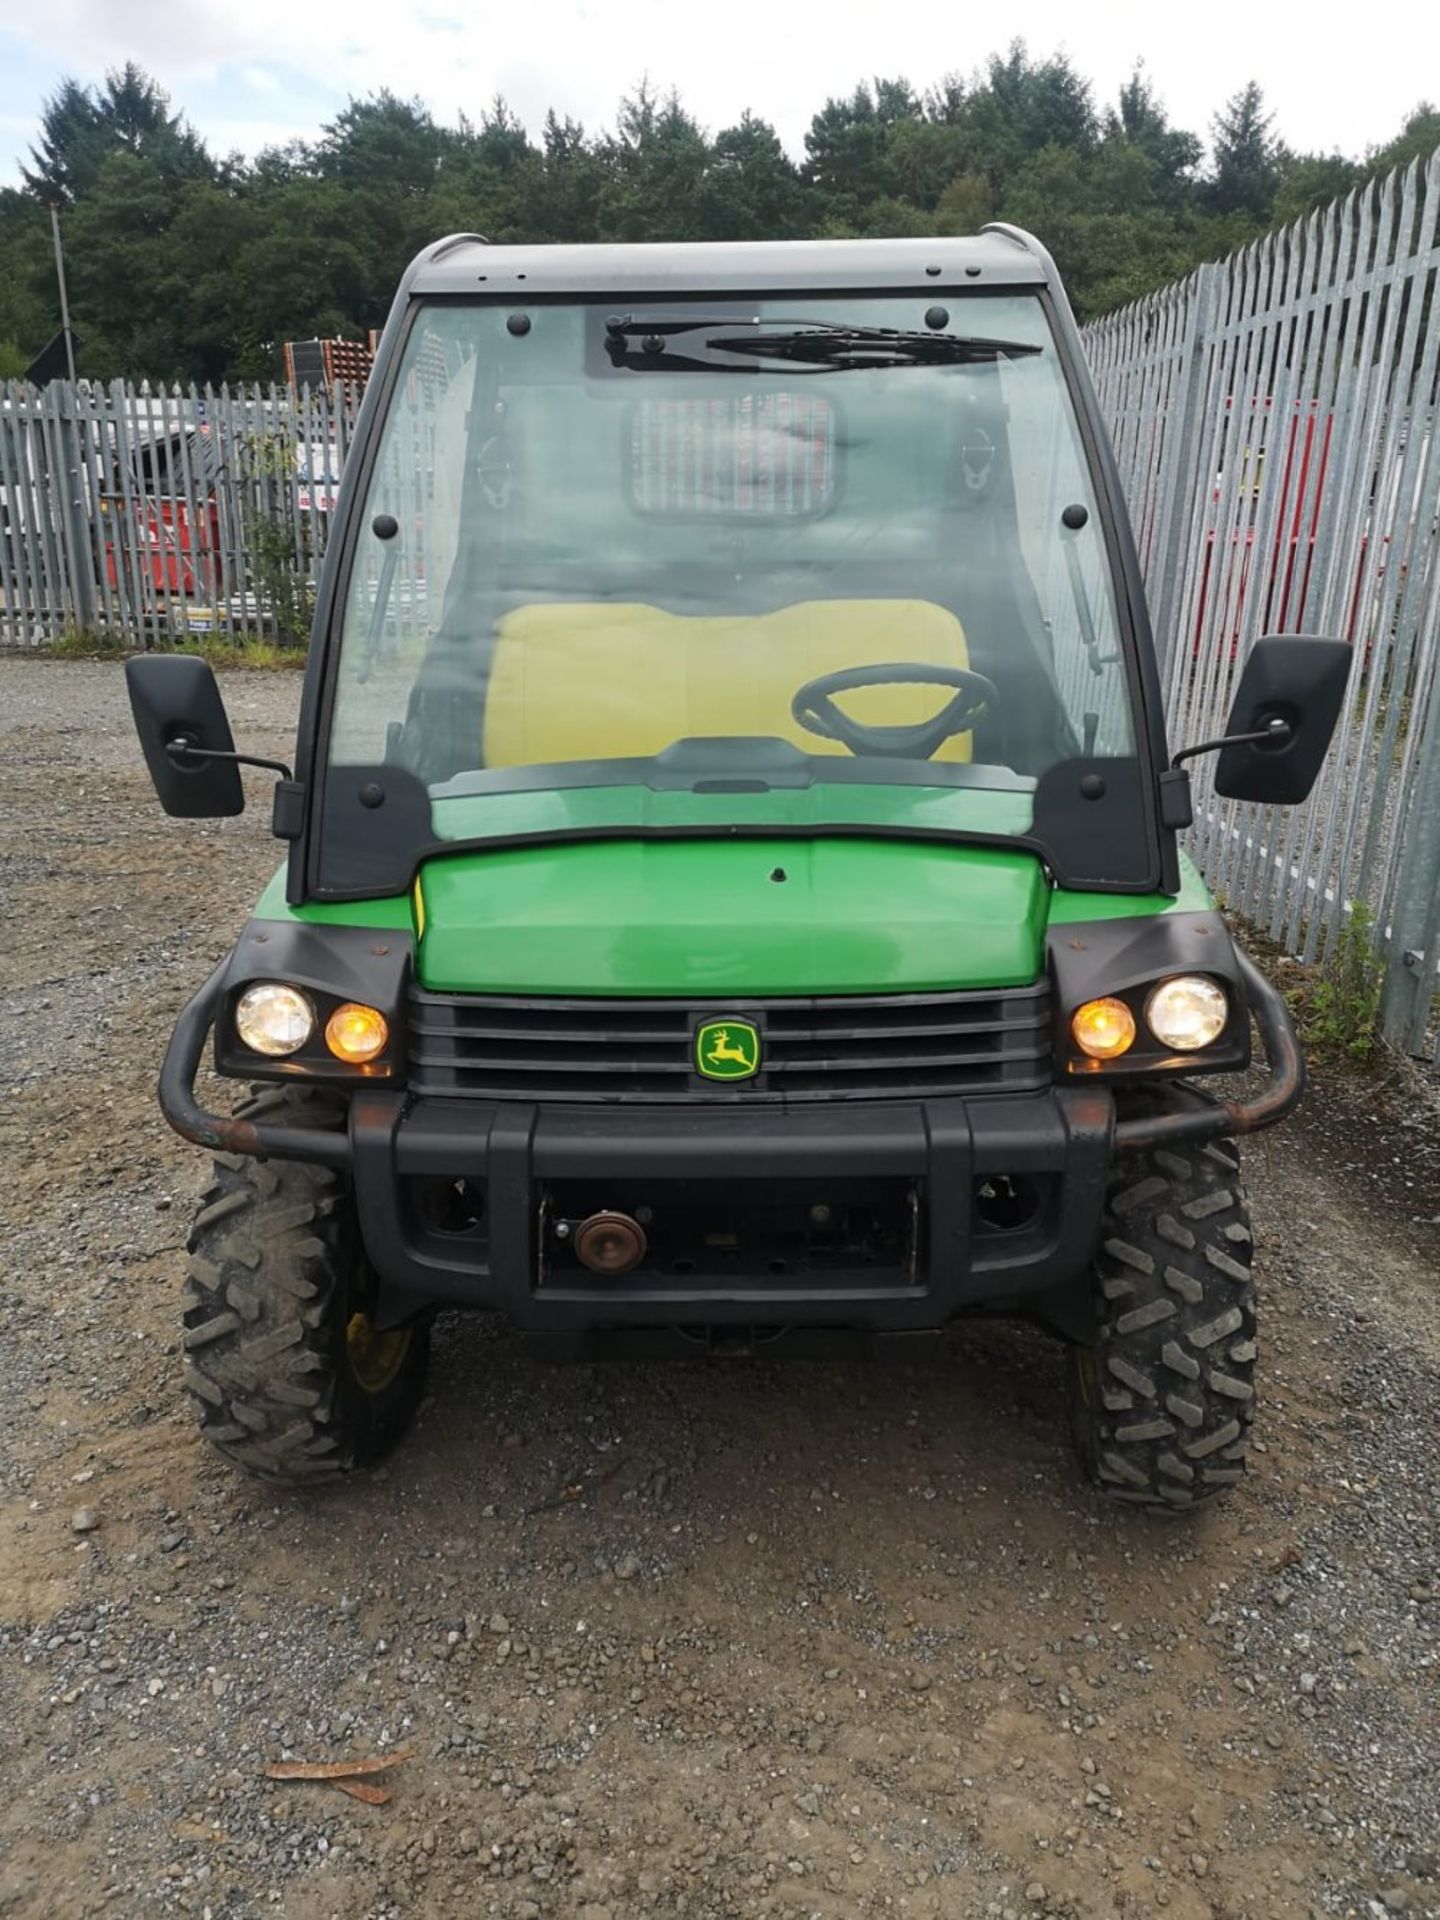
<point x="147" y="513"/>
<point x="1275" y="422"/>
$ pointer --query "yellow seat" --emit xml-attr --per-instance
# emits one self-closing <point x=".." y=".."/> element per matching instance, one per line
<point x="582" y="681"/>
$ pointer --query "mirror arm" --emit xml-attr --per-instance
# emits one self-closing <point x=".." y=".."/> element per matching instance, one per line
<point x="1277" y="733"/>
<point x="182" y="750"/>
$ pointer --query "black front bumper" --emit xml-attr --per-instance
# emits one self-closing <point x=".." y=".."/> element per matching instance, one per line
<point x="934" y="1155"/>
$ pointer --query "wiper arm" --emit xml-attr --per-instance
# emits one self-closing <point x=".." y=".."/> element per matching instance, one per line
<point x="818" y="345"/>
<point x="625" y="326"/>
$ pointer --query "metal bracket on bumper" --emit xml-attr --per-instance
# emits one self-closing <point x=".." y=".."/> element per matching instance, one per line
<point x="1194" y="1116"/>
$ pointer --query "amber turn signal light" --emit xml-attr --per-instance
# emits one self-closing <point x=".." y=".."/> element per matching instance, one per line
<point x="356" y="1034"/>
<point x="1103" y="1029"/>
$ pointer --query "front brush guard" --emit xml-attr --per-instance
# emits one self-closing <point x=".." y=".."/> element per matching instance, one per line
<point x="1194" y="1116"/>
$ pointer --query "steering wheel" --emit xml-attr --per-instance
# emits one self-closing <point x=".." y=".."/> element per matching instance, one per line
<point x="974" y="698"/>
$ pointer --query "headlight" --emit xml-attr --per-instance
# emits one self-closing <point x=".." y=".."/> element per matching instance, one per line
<point x="1103" y="1028"/>
<point x="1187" y="1013"/>
<point x="355" y="1033"/>
<point x="274" y="1019"/>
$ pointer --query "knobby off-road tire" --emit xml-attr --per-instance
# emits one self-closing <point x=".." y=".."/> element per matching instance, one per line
<point x="1161" y="1404"/>
<point x="286" y="1374"/>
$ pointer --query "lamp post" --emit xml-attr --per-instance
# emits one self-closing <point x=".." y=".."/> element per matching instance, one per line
<point x="64" y="300"/>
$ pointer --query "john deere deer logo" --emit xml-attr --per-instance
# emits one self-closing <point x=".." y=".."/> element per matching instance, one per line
<point x="727" y="1050"/>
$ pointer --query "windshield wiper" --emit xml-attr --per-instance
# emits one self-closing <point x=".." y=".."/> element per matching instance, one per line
<point x="815" y="345"/>
<point x="870" y="347"/>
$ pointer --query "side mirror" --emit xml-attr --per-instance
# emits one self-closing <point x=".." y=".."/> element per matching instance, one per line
<point x="177" y="704"/>
<point x="1290" y="693"/>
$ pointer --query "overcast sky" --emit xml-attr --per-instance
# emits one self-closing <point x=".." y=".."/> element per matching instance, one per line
<point x="251" y="72"/>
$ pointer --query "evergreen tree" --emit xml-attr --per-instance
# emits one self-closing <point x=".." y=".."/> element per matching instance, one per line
<point x="655" y="166"/>
<point x="502" y="142"/>
<point x="965" y="205"/>
<point x="383" y="142"/>
<point x="1245" y="168"/>
<point x="1140" y="120"/>
<point x="1310" y="180"/>
<point x="80" y="130"/>
<point x="67" y="155"/>
<point x="29" y="303"/>
<point x="847" y="149"/>
<point x="564" y="193"/>
<point x="752" y="189"/>
<point x="1022" y="106"/>
<point x="1417" y="140"/>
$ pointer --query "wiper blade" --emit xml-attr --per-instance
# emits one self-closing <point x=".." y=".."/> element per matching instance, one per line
<point x="871" y="347"/>
<point x="817" y="346"/>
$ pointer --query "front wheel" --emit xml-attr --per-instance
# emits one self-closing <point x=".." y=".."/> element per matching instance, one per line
<point x="1161" y="1403"/>
<point x="288" y="1374"/>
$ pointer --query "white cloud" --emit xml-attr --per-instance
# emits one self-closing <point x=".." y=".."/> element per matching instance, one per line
<point x="195" y="38"/>
<point x="261" y="79"/>
<point x="246" y="136"/>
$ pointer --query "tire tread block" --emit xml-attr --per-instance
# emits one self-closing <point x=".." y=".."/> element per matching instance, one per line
<point x="272" y="1249"/>
<point x="1168" y="1425"/>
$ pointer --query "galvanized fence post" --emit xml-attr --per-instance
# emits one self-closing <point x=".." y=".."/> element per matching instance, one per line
<point x="74" y="517"/>
<point x="1414" y="957"/>
<point x="1179" y="476"/>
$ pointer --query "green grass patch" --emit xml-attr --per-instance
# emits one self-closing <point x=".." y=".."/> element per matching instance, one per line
<point x="80" y="643"/>
<point x="243" y="654"/>
<point x="256" y="656"/>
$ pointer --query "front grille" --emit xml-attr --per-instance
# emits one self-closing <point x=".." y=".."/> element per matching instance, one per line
<point x="900" y="1046"/>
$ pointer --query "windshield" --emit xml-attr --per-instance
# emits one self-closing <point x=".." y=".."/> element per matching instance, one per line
<point x="660" y="562"/>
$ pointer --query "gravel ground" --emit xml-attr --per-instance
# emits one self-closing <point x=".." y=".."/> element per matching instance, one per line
<point x="808" y="1641"/>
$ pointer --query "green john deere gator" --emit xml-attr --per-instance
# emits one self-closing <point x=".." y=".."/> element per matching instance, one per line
<point x="733" y="899"/>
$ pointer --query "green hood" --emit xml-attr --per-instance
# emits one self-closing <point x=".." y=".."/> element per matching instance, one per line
<point x="753" y="916"/>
